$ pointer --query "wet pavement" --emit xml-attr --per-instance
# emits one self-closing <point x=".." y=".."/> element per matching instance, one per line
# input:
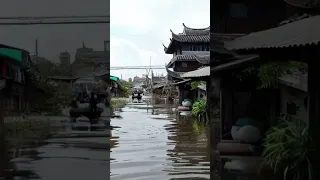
<point x="152" y="144"/>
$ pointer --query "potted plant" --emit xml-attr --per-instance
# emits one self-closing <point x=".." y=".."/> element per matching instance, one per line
<point x="287" y="150"/>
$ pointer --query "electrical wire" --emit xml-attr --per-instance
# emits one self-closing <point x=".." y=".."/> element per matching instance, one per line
<point x="42" y="20"/>
<point x="52" y="23"/>
<point x="51" y="17"/>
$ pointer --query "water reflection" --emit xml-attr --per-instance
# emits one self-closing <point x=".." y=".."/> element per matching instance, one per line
<point x="152" y="144"/>
<point x="73" y="157"/>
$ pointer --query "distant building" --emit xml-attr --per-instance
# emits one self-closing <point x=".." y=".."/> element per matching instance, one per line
<point x="65" y="58"/>
<point x="130" y="80"/>
<point x="86" y="59"/>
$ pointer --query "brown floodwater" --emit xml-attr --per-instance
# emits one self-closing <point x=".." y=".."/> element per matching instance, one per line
<point x="154" y="144"/>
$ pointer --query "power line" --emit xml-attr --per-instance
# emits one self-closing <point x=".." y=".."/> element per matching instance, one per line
<point x="51" y="17"/>
<point x="42" y="20"/>
<point x="53" y="22"/>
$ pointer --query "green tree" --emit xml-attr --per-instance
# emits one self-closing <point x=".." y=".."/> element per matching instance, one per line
<point x="126" y="87"/>
<point x="52" y="96"/>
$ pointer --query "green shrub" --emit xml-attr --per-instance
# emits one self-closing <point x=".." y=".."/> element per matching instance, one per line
<point x="287" y="150"/>
<point x="199" y="108"/>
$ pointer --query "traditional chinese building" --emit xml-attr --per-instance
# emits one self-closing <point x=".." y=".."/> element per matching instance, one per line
<point x="190" y="50"/>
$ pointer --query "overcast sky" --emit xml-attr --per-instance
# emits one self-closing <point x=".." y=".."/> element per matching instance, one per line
<point x="139" y="27"/>
<point x="53" y="39"/>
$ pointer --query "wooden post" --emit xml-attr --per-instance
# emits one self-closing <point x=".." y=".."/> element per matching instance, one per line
<point x="314" y="113"/>
<point x="2" y="138"/>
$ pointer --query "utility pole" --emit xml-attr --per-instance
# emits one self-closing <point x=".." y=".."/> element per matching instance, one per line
<point x="2" y="138"/>
<point x="37" y="53"/>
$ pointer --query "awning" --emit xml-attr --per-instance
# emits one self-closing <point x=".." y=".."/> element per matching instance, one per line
<point x="298" y="33"/>
<point x="63" y="78"/>
<point x="235" y="63"/>
<point x="180" y="82"/>
<point x="202" y="72"/>
<point x="113" y="78"/>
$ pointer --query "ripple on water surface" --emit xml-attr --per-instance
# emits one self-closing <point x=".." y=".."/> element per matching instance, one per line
<point x="151" y="144"/>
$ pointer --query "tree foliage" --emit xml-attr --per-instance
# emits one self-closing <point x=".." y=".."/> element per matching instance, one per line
<point x="269" y="73"/>
<point x="47" y="68"/>
<point x="51" y="96"/>
<point x="126" y="88"/>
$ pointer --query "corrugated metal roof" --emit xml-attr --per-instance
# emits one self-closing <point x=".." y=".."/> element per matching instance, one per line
<point x="298" y="33"/>
<point x="220" y="38"/>
<point x="304" y="3"/>
<point x="202" y="72"/>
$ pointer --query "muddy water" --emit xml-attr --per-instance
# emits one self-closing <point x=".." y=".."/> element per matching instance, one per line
<point x="75" y="154"/>
<point x="152" y="144"/>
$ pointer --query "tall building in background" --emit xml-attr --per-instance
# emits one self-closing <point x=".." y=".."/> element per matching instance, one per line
<point x="86" y="59"/>
<point x="65" y="58"/>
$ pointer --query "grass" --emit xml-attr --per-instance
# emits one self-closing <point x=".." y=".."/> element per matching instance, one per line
<point x="117" y="103"/>
<point x="24" y="132"/>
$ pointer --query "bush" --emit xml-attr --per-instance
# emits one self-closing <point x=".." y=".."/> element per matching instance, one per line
<point x="287" y="150"/>
<point x="199" y="108"/>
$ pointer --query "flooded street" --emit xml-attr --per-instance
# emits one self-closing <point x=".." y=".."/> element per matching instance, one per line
<point x="71" y="154"/>
<point x="152" y="144"/>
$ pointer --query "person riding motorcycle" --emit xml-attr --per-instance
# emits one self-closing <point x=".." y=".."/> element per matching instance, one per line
<point x="136" y="94"/>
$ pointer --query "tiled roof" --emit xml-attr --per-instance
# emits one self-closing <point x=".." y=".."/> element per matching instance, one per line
<point x="193" y="31"/>
<point x="193" y="38"/>
<point x="298" y="33"/>
<point x="190" y="35"/>
<point x="205" y="71"/>
<point x="173" y="74"/>
<point x="190" y="57"/>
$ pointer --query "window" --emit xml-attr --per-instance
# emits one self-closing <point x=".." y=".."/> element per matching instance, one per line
<point x="238" y="10"/>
